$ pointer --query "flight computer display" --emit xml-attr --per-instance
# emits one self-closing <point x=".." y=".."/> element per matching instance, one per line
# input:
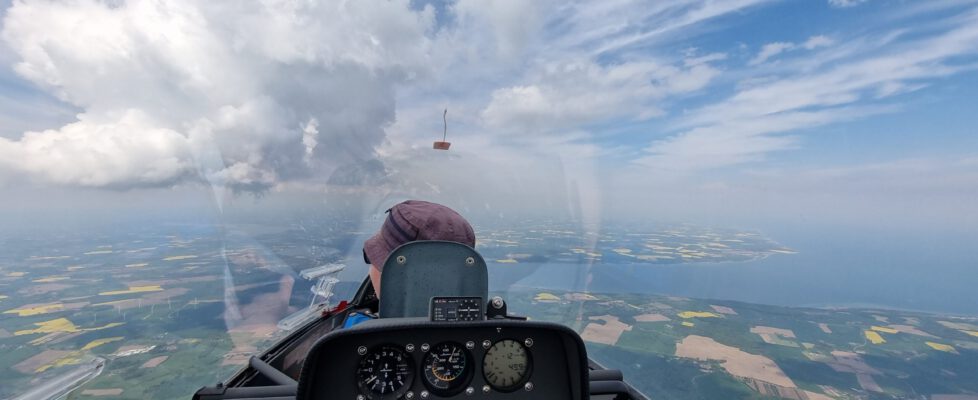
<point x="456" y="309"/>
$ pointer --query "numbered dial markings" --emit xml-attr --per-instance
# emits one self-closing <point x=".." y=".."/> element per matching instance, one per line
<point x="507" y="365"/>
<point x="385" y="372"/>
<point x="447" y="368"/>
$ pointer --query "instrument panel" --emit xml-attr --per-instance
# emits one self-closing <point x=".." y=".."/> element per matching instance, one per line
<point x="383" y="360"/>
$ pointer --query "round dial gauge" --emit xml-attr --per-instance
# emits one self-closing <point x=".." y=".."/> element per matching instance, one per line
<point x="507" y="365"/>
<point x="385" y="372"/>
<point x="447" y="368"/>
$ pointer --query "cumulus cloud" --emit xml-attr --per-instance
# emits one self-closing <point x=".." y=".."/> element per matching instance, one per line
<point x="94" y="152"/>
<point x="513" y="24"/>
<point x="251" y="95"/>
<point x="523" y="68"/>
<point x="572" y="94"/>
<point x="240" y="94"/>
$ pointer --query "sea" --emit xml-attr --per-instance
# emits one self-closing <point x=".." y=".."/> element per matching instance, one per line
<point x="916" y="271"/>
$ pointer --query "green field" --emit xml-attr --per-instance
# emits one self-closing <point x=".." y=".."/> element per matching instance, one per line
<point x="903" y="367"/>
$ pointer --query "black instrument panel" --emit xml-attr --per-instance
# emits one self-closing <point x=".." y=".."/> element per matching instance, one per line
<point x="419" y="359"/>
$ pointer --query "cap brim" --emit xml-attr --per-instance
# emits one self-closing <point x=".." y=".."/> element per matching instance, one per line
<point x="377" y="250"/>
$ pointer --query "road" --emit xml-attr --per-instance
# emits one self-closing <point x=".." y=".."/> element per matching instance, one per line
<point x="63" y="384"/>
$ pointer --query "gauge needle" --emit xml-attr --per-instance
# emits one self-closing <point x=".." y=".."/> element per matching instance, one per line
<point x="372" y="378"/>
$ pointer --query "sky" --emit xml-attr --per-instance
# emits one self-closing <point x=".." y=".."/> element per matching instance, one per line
<point x="729" y="112"/>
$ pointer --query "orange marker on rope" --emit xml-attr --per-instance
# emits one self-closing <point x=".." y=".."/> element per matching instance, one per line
<point x="443" y="145"/>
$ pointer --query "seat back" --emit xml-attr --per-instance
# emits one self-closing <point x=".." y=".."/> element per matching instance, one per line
<point x="417" y="271"/>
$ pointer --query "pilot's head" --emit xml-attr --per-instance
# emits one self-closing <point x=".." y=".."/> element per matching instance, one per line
<point x="410" y="221"/>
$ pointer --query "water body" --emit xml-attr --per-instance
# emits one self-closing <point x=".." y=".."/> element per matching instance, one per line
<point x="935" y="272"/>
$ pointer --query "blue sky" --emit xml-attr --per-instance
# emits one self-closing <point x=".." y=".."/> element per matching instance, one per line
<point x="729" y="108"/>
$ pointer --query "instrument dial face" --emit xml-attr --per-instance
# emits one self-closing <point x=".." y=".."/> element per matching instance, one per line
<point x="507" y="365"/>
<point x="385" y="372"/>
<point x="447" y="368"/>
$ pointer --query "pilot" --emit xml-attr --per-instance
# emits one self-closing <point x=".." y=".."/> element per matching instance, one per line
<point x="410" y="221"/>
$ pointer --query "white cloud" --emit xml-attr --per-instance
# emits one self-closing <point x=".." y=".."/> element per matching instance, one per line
<point x="230" y="87"/>
<point x="93" y="152"/>
<point x="516" y="112"/>
<point x="770" y="50"/>
<point x="606" y="31"/>
<point x="817" y="41"/>
<point x="753" y="122"/>
<point x="514" y="24"/>
<point x="773" y="49"/>
<point x="253" y="95"/>
<point x="742" y="139"/>
<point x="845" y="3"/>
<point x="574" y="94"/>
<point x="549" y="69"/>
<point x="693" y="59"/>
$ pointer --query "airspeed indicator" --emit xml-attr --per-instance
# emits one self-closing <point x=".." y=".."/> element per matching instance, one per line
<point x="447" y="369"/>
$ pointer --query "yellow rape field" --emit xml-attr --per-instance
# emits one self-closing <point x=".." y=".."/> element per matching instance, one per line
<point x="50" y="279"/>
<point x="54" y="325"/>
<point x="546" y="297"/>
<point x="98" y="342"/>
<point x="884" y="330"/>
<point x="73" y="359"/>
<point x="60" y="325"/>
<point x="941" y="347"/>
<point x="874" y="337"/>
<point x="972" y="333"/>
<point x="42" y="309"/>
<point x="506" y="261"/>
<point x="697" y="314"/>
<point x="134" y="289"/>
<point x="689" y="324"/>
